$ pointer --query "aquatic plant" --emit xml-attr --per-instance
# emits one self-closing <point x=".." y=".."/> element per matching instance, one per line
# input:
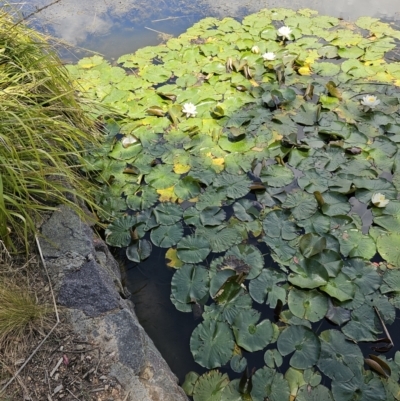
<point x="296" y="154"/>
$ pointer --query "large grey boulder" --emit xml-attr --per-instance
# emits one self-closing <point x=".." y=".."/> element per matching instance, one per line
<point x="87" y="282"/>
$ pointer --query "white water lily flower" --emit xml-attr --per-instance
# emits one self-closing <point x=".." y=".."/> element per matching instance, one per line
<point x="284" y="31"/>
<point x="379" y="200"/>
<point x="189" y="109"/>
<point x="370" y="100"/>
<point x="255" y="49"/>
<point x="269" y="56"/>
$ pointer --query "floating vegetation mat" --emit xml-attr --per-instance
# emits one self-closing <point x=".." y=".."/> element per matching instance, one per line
<point x="281" y="132"/>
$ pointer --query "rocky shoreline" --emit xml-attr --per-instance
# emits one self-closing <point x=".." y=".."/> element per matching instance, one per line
<point x="87" y="284"/>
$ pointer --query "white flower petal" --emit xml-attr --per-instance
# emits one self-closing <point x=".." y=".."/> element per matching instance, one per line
<point x="269" y="56"/>
<point x="379" y="200"/>
<point x="189" y="109"/>
<point x="284" y="31"/>
<point x="370" y="101"/>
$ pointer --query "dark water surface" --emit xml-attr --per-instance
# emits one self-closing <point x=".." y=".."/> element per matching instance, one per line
<point x="114" y="28"/>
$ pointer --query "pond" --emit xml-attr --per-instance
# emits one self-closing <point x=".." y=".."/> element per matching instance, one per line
<point x="113" y="28"/>
<point x="283" y="148"/>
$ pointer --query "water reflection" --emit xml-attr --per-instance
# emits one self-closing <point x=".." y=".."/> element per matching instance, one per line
<point x="114" y="28"/>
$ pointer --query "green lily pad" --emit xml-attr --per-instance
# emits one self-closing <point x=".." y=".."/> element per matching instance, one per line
<point x="266" y="288"/>
<point x="250" y="256"/>
<point x="318" y="393"/>
<point x="167" y="213"/>
<point x="166" y="236"/>
<point x="190" y="283"/>
<point x="339" y="287"/>
<point x="277" y="224"/>
<point x="118" y="233"/>
<point x="193" y="249"/>
<point x="139" y="251"/>
<point x="340" y="360"/>
<point x="269" y="383"/>
<point x="310" y="305"/>
<point x="212" y="344"/>
<point x="248" y="334"/>
<point x="389" y="248"/>
<point x="209" y="386"/>
<point x="366" y="389"/>
<point x="303" y="342"/>
<point x="276" y="175"/>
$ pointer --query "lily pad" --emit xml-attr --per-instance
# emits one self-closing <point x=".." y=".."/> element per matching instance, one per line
<point x="303" y="342"/>
<point x="193" y="249"/>
<point x="212" y="344"/>
<point x="310" y="305"/>
<point x="340" y="360"/>
<point x="248" y="334"/>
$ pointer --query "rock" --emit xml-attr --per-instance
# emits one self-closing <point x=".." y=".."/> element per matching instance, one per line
<point x="87" y="281"/>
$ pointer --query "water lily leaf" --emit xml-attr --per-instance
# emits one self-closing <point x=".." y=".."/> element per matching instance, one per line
<point x="276" y="175"/>
<point x="167" y="213"/>
<point x="190" y="381"/>
<point x="302" y="205"/>
<point x="363" y="325"/>
<point x="389" y="248"/>
<point x="139" y="251"/>
<point x="308" y="274"/>
<point x="167" y="236"/>
<point x="119" y="232"/>
<point x="227" y="311"/>
<point x="251" y="256"/>
<point x="246" y="210"/>
<point x="311" y="244"/>
<point x="303" y="342"/>
<point x="354" y="244"/>
<point x="331" y="260"/>
<point x="266" y="287"/>
<point x="335" y="204"/>
<point x="273" y="358"/>
<point x="391" y="282"/>
<point x="233" y="186"/>
<point x="248" y="334"/>
<point x="193" y="249"/>
<point x="123" y="152"/>
<point x="161" y="177"/>
<point x="277" y="224"/>
<point x="269" y="383"/>
<point x="310" y="305"/>
<point x="318" y="393"/>
<point x="190" y="283"/>
<point x="212" y="216"/>
<point x="238" y="363"/>
<point x="363" y="274"/>
<point x="212" y="344"/>
<point x="340" y="287"/>
<point x="295" y="378"/>
<point x="220" y="238"/>
<point x="337" y="314"/>
<point x="209" y="386"/>
<point x="187" y="188"/>
<point x="172" y="259"/>
<point x="340" y="359"/>
<point x="143" y="199"/>
<point x="191" y="216"/>
<point x="367" y="389"/>
<point x="314" y="180"/>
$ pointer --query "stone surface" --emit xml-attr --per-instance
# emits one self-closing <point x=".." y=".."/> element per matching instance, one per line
<point x="87" y="281"/>
<point x="90" y="289"/>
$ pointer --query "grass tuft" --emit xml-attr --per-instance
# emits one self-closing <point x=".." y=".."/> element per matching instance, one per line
<point x="44" y="133"/>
